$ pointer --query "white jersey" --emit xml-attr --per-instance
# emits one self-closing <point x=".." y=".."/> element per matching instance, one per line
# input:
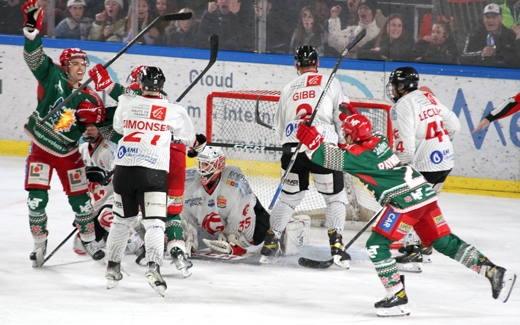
<point x="148" y="125"/>
<point x="299" y="99"/>
<point x="422" y="129"/>
<point x="103" y="157"/>
<point x="228" y="209"/>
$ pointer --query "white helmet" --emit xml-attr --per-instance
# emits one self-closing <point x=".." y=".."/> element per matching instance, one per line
<point x="211" y="161"/>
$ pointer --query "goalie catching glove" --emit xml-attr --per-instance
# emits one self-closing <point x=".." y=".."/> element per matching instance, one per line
<point x="89" y="113"/>
<point x="96" y="175"/>
<point x="101" y="78"/>
<point x="198" y="146"/>
<point x="230" y="245"/>
<point x="309" y="136"/>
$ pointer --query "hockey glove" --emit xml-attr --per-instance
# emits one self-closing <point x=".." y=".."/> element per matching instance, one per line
<point x="309" y="136"/>
<point x="198" y="146"/>
<point x="101" y="78"/>
<point x="95" y="174"/>
<point x="88" y="112"/>
<point x="222" y="246"/>
<point x="347" y="108"/>
<point x="33" y="15"/>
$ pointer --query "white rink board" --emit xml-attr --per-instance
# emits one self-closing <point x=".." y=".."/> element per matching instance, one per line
<point x="497" y="158"/>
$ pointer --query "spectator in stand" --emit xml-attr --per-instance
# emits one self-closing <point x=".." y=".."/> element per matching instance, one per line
<point x="219" y="19"/>
<point x="185" y="33"/>
<point x="339" y="38"/>
<point x="393" y="43"/>
<point x="59" y="15"/>
<point x="144" y="17"/>
<point x="277" y="29"/>
<point x="11" y="17"/>
<point x="510" y="12"/>
<point x="94" y="7"/>
<point x="439" y="47"/>
<point x="76" y="25"/>
<point x="308" y="31"/>
<point x="349" y="15"/>
<point x="110" y="25"/>
<point x="491" y="44"/>
<point x="322" y="13"/>
<point x="163" y="7"/>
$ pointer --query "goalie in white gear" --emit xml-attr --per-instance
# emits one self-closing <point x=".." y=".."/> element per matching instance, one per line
<point x="220" y="208"/>
<point x="98" y="155"/>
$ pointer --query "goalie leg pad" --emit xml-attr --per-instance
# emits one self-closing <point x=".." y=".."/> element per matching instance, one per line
<point x="297" y="234"/>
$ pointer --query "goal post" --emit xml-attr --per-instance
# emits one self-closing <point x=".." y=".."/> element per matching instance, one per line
<point x="230" y="119"/>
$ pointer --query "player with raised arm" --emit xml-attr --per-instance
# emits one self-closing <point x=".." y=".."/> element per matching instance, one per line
<point x="220" y="208"/>
<point x="507" y="108"/>
<point x="297" y="101"/>
<point x="423" y="128"/>
<point x="54" y="144"/>
<point x="99" y="155"/>
<point x="408" y="201"/>
<point x="175" y="243"/>
<point x="148" y="123"/>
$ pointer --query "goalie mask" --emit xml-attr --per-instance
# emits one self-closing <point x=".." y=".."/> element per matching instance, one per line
<point x="405" y="79"/>
<point x="211" y="161"/>
<point x="151" y="79"/>
<point x="306" y="55"/>
<point x="73" y="53"/>
<point x="357" y="126"/>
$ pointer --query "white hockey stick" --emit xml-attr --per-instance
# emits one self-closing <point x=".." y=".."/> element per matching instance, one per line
<point x="358" y="38"/>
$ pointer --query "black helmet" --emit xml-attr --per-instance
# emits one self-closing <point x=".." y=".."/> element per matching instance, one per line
<point x="152" y="79"/>
<point x="404" y="79"/>
<point x="306" y="55"/>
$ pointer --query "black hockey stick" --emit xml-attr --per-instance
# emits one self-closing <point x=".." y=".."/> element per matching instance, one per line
<point x="59" y="246"/>
<point x="213" y="47"/>
<point x="358" y="38"/>
<point x="243" y="146"/>
<point x="313" y="264"/>
<point x="257" y="116"/>
<point x="168" y="17"/>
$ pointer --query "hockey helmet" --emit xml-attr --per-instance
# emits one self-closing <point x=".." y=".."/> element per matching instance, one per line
<point x="152" y="79"/>
<point x="133" y="77"/>
<point x="404" y="79"/>
<point x="211" y="161"/>
<point x="306" y="55"/>
<point x="357" y="125"/>
<point x="73" y="53"/>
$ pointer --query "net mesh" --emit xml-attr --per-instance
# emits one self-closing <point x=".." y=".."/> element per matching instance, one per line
<point x="232" y="121"/>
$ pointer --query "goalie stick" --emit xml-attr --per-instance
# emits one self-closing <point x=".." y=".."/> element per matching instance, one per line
<point x="257" y="116"/>
<point x="168" y="17"/>
<point x="313" y="264"/>
<point x="358" y="38"/>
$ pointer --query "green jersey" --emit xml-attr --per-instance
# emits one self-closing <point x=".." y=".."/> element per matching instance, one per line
<point x="379" y="169"/>
<point x="59" y="135"/>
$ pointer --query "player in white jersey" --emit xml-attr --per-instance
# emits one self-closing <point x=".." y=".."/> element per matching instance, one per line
<point x="297" y="102"/>
<point x="147" y="124"/>
<point x="423" y="128"/>
<point x="219" y="207"/>
<point x="98" y="155"/>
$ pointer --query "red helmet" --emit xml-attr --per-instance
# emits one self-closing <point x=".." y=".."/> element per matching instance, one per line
<point x="358" y="126"/>
<point x="134" y="75"/>
<point x="73" y="53"/>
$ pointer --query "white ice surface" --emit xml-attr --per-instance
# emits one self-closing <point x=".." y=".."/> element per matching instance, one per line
<point x="71" y="289"/>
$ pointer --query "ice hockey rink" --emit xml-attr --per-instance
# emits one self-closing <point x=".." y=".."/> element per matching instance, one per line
<point x="71" y="289"/>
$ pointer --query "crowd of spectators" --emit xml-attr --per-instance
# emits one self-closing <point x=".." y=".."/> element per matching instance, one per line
<point x="329" y="25"/>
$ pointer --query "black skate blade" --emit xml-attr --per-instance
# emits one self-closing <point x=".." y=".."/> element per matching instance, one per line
<point x="313" y="264"/>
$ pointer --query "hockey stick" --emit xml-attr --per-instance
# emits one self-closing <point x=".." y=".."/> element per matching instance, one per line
<point x="358" y="38"/>
<point x="176" y="16"/>
<point x="213" y="47"/>
<point x="59" y="246"/>
<point x="313" y="264"/>
<point x="243" y="146"/>
<point x="257" y="116"/>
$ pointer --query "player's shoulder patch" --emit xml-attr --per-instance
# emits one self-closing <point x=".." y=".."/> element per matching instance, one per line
<point x="313" y="80"/>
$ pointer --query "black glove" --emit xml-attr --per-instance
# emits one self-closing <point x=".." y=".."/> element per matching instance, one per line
<point x="198" y="146"/>
<point x="96" y="174"/>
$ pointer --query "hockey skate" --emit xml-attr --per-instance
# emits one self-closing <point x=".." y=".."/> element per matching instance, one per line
<point x="502" y="282"/>
<point x="425" y="251"/>
<point x="38" y="255"/>
<point x="395" y="305"/>
<point x="271" y="251"/>
<point x="340" y="257"/>
<point x="93" y="250"/>
<point x="181" y="261"/>
<point x="113" y="274"/>
<point x="156" y="281"/>
<point x="141" y="256"/>
<point x="411" y="260"/>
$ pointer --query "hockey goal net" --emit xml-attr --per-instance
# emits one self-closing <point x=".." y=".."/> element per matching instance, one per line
<point x="256" y="149"/>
